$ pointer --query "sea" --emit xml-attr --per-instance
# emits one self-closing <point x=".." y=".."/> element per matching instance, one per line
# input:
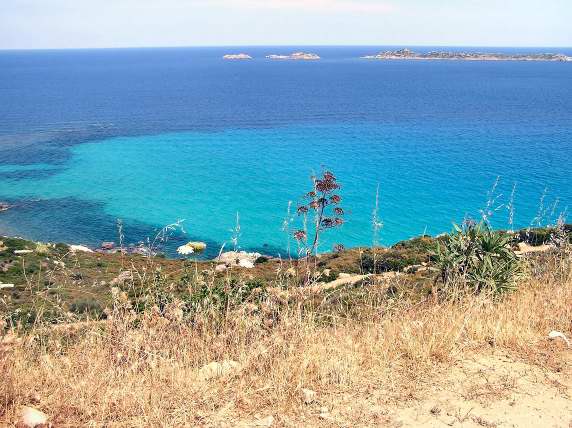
<point x="138" y="145"/>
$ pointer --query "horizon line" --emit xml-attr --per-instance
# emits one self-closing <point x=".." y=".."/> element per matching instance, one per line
<point x="281" y="45"/>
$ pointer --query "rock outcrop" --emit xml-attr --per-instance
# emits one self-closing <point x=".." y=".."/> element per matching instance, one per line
<point x="238" y="258"/>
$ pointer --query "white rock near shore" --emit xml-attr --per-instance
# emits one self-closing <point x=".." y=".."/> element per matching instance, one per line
<point x="81" y="248"/>
<point x="238" y="258"/>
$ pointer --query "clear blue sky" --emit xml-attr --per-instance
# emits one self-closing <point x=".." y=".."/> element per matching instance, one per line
<point x="119" y="23"/>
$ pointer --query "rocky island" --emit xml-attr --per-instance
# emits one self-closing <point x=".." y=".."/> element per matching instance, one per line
<point x="237" y="56"/>
<point x="304" y="56"/>
<point x="407" y="54"/>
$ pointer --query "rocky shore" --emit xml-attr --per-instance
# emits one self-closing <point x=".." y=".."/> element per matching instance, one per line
<point x="407" y="54"/>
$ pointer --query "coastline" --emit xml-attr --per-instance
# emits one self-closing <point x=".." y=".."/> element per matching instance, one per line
<point x="532" y="236"/>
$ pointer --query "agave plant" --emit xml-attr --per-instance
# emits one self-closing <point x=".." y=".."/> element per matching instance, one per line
<point x="479" y="257"/>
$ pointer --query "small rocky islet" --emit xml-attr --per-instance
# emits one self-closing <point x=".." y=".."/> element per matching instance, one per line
<point x="296" y="56"/>
<point x="240" y="56"/>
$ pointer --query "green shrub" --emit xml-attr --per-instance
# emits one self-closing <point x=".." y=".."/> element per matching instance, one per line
<point x="478" y="257"/>
<point x="87" y="307"/>
<point x="538" y="236"/>
<point x="221" y="296"/>
<point x="544" y="235"/>
<point x="385" y="262"/>
<point x="401" y="255"/>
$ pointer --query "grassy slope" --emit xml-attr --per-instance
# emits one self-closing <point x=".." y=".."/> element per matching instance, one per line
<point x="378" y="353"/>
<point x="81" y="282"/>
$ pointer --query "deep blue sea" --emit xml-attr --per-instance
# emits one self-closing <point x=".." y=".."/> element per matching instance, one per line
<point x="152" y="136"/>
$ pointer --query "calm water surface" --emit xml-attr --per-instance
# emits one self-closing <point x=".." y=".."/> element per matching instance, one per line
<point x="152" y="136"/>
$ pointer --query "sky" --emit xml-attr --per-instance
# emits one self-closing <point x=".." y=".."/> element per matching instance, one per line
<point x="49" y="24"/>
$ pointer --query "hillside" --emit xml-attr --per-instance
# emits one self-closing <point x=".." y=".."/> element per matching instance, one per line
<point x="363" y="337"/>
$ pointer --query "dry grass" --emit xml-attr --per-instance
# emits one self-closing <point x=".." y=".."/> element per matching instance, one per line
<point x="143" y="370"/>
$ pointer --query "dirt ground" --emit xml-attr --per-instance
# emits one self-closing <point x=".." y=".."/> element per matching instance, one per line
<point x="485" y="391"/>
<point x="495" y="391"/>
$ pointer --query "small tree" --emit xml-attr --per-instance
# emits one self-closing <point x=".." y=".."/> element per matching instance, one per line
<point x="323" y="201"/>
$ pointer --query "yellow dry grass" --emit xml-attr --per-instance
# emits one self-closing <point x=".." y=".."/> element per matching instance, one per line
<point x="122" y="373"/>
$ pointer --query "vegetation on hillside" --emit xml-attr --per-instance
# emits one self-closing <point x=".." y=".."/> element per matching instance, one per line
<point x="283" y="354"/>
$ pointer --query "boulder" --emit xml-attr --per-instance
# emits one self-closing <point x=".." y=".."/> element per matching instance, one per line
<point x="553" y="335"/>
<point x="308" y="396"/>
<point x="32" y="418"/>
<point x="524" y="248"/>
<point x="80" y="248"/>
<point x="220" y="268"/>
<point x="122" y="278"/>
<point x="107" y="245"/>
<point x="218" y="369"/>
<point x="246" y="264"/>
<point x="238" y="258"/>
<point x="192" y="248"/>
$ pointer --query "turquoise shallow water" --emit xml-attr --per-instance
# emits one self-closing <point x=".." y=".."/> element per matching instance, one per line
<point x="207" y="178"/>
<point x="155" y="136"/>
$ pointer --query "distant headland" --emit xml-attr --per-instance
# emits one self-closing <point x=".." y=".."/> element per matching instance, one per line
<point x="407" y="54"/>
